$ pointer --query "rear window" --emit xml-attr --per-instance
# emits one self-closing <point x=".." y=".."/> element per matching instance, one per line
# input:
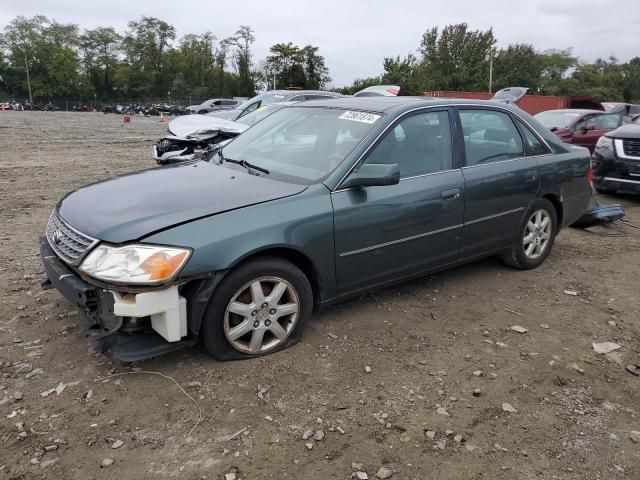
<point x="489" y="136"/>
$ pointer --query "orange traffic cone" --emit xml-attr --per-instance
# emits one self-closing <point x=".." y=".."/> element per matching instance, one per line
<point x="21" y="108"/>
<point x="161" y="117"/>
<point x="126" y="119"/>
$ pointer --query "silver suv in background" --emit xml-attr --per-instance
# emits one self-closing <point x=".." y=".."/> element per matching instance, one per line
<point x="212" y="105"/>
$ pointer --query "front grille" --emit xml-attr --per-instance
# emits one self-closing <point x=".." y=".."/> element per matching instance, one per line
<point x="68" y="243"/>
<point x="631" y="147"/>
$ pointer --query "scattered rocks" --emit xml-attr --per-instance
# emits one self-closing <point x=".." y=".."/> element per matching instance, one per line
<point x="384" y="473"/>
<point x="117" y="444"/>
<point x="106" y="463"/>
<point x="560" y="381"/>
<point x="17" y="395"/>
<point x="318" y="436"/>
<point x="268" y="418"/>
<point x="307" y="434"/>
<point x="360" y="476"/>
<point x="519" y="329"/>
<point x="634" y="436"/>
<point x="48" y="463"/>
<point x="431" y="435"/>
<point x="605" y="347"/>
<point x="367" y="369"/>
<point x="309" y="445"/>
<point x="476" y="392"/>
<point x="356" y="466"/>
<point x="478" y="373"/>
<point x="545" y="326"/>
<point x="230" y="476"/>
<point x="51" y="448"/>
<point x="442" y="411"/>
<point x="458" y="439"/>
<point x="573" y="293"/>
<point x="333" y="336"/>
<point x="507" y="407"/>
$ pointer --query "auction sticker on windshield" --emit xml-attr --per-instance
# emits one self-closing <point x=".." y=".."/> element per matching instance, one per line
<point x="359" y="116"/>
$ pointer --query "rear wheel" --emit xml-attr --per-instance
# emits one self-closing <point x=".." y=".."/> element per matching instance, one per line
<point x="537" y="235"/>
<point x="261" y="307"/>
<point x="202" y="112"/>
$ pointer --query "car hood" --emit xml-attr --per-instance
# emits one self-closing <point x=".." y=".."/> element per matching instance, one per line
<point x="231" y="114"/>
<point x="202" y="127"/>
<point x="626" y="131"/>
<point x="133" y="206"/>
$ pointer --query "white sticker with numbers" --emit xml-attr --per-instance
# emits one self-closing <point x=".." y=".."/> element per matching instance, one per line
<point x="363" y="117"/>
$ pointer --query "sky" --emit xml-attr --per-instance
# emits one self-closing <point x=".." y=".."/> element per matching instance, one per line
<point x="354" y="36"/>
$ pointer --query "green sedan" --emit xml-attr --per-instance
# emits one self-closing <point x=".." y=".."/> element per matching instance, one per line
<point x="319" y="202"/>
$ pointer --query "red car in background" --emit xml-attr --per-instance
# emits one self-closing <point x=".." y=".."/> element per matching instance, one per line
<point x="580" y="127"/>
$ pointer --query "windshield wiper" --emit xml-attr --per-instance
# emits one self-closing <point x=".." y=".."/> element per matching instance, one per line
<point x="244" y="163"/>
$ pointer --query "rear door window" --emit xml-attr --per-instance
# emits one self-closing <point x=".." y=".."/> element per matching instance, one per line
<point x="489" y="136"/>
<point x="533" y="144"/>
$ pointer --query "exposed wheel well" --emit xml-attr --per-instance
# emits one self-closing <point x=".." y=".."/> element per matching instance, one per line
<point x="558" y="206"/>
<point x="300" y="260"/>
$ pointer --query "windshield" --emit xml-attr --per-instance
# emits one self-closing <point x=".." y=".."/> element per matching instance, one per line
<point x="303" y="143"/>
<point x="258" y="115"/>
<point x="555" y="119"/>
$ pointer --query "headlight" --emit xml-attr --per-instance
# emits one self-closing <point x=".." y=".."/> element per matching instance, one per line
<point x="140" y="264"/>
<point x="604" y="144"/>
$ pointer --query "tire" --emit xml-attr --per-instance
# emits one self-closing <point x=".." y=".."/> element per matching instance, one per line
<point x="202" y="112"/>
<point x="522" y="254"/>
<point x="233" y="324"/>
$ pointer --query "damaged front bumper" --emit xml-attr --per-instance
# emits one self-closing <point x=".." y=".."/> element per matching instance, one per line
<point x="137" y="326"/>
<point x="615" y="171"/>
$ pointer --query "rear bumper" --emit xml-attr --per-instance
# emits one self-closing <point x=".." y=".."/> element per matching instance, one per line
<point x="137" y="326"/>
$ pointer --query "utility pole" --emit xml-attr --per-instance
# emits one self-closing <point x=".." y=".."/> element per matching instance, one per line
<point x="26" y="64"/>
<point x="491" y="70"/>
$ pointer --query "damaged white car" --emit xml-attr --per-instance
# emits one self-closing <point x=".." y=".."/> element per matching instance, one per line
<point x="195" y="136"/>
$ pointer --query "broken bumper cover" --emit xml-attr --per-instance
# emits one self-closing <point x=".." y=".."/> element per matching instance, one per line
<point x="122" y="316"/>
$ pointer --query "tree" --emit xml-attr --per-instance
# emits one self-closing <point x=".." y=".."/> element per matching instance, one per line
<point x="404" y="73"/>
<point x="44" y="54"/>
<point x="101" y="49"/>
<point x="242" y="40"/>
<point x="555" y="67"/>
<point x="292" y="66"/>
<point x="455" y="59"/>
<point x="145" y="45"/>
<point x="518" y="65"/>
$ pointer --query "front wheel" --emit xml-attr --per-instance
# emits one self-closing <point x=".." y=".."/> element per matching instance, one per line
<point x="536" y="237"/>
<point x="261" y="307"/>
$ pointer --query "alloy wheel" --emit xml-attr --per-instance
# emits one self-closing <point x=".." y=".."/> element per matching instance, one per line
<point x="537" y="234"/>
<point x="261" y="315"/>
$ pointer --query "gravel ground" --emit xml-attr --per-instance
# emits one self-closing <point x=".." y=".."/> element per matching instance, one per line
<point x="548" y="406"/>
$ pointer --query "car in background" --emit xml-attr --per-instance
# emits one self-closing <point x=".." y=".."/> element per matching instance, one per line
<point x="317" y="203"/>
<point x="379" y="91"/>
<point x="273" y="96"/>
<point x="195" y="136"/>
<point x="580" y="127"/>
<point x="616" y="160"/>
<point x="213" y="105"/>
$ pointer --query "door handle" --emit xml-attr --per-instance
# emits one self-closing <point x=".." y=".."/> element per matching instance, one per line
<point x="451" y="194"/>
<point x="530" y="176"/>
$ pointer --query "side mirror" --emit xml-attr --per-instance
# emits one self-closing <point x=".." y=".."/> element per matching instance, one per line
<point x="374" y="174"/>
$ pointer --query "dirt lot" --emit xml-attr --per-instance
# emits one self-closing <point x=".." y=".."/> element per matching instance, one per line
<point x="428" y="344"/>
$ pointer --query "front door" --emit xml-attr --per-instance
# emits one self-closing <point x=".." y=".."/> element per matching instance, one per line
<point x="387" y="232"/>
<point x="501" y="182"/>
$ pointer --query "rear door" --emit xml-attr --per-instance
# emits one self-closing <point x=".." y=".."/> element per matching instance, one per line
<point x="590" y="128"/>
<point x="384" y="233"/>
<point x="501" y="181"/>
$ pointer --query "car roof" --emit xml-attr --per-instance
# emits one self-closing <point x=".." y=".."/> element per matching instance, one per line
<point x="574" y="110"/>
<point x="398" y="104"/>
<point x="299" y="92"/>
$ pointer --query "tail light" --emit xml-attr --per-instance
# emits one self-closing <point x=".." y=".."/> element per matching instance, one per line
<point x="590" y="173"/>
